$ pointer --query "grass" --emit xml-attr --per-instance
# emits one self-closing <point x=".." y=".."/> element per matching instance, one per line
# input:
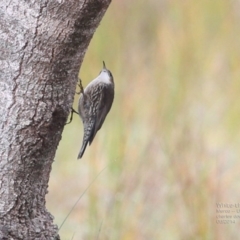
<point x="171" y="140"/>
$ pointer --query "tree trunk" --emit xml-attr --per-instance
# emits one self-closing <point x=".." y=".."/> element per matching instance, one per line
<point x="42" y="44"/>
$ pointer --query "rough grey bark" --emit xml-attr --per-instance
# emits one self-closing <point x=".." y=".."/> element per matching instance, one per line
<point x="42" y="44"/>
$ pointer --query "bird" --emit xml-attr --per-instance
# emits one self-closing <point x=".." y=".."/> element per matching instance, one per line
<point x="94" y="103"/>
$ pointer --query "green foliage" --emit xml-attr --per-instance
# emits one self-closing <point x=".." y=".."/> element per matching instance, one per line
<point x="171" y="140"/>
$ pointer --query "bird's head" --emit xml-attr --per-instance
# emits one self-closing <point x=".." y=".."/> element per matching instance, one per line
<point x="106" y="74"/>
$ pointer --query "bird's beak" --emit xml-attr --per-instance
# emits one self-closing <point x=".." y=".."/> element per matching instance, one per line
<point x="104" y="66"/>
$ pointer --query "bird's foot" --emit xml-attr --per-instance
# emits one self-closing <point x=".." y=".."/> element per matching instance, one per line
<point x="80" y="86"/>
<point x="71" y="116"/>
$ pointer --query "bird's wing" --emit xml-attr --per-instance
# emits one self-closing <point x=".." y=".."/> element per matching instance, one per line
<point x="105" y="100"/>
<point x="84" y="104"/>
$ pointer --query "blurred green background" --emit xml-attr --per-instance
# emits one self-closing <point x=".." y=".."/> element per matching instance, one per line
<point x="171" y="143"/>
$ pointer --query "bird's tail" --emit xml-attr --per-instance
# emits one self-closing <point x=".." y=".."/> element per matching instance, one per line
<point x="88" y="133"/>
<point x="84" y="145"/>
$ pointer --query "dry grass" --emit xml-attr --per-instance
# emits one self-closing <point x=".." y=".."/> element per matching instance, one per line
<point x="171" y="141"/>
